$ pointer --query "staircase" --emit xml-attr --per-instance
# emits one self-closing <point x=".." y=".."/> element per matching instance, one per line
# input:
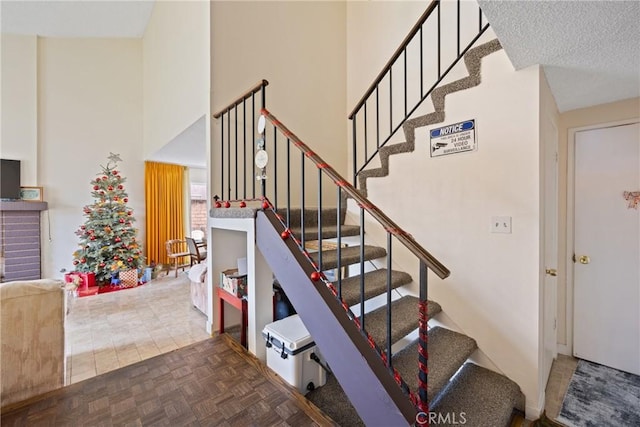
<point x="379" y="374"/>
<point x="457" y="389"/>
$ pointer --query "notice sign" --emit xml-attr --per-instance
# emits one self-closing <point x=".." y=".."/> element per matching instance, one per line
<point x="452" y="139"/>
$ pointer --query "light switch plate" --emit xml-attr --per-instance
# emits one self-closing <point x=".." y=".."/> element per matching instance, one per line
<point x="501" y="224"/>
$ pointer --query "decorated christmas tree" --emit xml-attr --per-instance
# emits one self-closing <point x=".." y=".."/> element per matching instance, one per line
<point x="108" y="242"/>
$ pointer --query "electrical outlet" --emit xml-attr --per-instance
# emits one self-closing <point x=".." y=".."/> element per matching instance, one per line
<point x="501" y="224"/>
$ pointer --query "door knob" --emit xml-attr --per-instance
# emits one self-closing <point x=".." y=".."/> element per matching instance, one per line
<point x="551" y="272"/>
<point x="584" y="259"/>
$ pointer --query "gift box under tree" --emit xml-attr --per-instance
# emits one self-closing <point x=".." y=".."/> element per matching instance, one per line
<point x="85" y="280"/>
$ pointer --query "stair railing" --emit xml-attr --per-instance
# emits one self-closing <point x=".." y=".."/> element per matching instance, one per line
<point x="297" y="172"/>
<point x="237" y="126"/>
<point x="368" y="133"/>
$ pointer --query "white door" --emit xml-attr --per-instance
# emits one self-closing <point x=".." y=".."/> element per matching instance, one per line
<point x="607" y="248"/>
<point x="549" y="290"/>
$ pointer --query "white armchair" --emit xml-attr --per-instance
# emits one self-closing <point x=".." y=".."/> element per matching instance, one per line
<point x="32" y="337"/>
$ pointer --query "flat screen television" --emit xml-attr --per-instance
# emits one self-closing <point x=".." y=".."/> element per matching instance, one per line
<point x="9" y="179"/>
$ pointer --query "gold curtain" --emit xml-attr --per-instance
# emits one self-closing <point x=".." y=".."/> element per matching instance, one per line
<point x="164" y="194"/>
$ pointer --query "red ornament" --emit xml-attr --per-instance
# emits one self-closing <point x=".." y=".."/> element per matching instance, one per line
<point x="315" y="276"/>
<point x="101" y="192"/>
<point x="83" y="260"/>
<point x="115" y="257"/>
<point x="120" y="187"/>
<point x="110" y="188"/>
<point x="116" y="198"/>
<point x="92" y="237"/>
<point x="227" y="204"/>
<point x="104" y="177"/>
<point x="129" y="259"/>
<point x="102" y="264"/>
<point x="92" y="231"/>
<point x="95" y="187"/>
<point x="265" y="205"/>
<point x="130" y="213"/>
<point x="121" y="220"/>
<point x="82" y="227"/>
<point x="285" y="234"/>
<point x="114" y="172"/>
<point x="97" y="179"/>
<point x="75" y="262"/>
<point x="218" y="205"/>
<point x="125" y="200"/>
<point x="117" y="239"/>
<point x="243" y="204"/>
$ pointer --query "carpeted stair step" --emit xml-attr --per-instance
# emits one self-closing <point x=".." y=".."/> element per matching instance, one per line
<point x="333" y="401"/>
<point x="349" y="255"/>
<point x="404" y="319"/>
<point x="486" y="397"/>
<point x="448" y="350"/>
<point x="375" y="283"/>
<point x="328" y="232"/>
<point x="329" y="216"/>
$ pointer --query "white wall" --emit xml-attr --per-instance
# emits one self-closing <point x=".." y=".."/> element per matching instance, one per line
<point x="447" y="203"/>
<point x="175" y="70"/>
<point x="90" y="104"/>
<point x="20" y="104"/>
<point x="299" y="47"/>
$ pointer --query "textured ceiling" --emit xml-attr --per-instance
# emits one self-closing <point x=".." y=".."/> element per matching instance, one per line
<point x="590" y="50"/>
<point x="79" y="18"/>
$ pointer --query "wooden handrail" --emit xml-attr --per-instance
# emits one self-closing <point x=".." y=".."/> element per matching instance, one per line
<point x="246" y="95"/>
<point x="395" y="56"/>
<point x="406" y="239"/>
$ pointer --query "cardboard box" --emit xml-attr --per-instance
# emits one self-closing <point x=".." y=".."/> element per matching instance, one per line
<point x="234" y="283"/>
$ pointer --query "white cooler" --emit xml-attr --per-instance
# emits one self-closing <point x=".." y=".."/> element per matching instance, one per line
<point x="289" y="349"/>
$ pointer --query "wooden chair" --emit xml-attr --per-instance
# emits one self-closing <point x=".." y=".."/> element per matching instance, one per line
<point x="196" y="252"/>
<point x="176" y="250"/>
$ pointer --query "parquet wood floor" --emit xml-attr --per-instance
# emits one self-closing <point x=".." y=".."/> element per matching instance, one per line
<point x="211" y="383"/>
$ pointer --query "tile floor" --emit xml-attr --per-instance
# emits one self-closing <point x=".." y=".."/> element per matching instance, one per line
<point x="108" y="331"/>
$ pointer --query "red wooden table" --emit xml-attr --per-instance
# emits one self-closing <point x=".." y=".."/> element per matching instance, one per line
<point x="240" y="304"/>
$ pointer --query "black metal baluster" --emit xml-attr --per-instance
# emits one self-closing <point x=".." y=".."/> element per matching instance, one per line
<point x="405" y="82"/>
<point x="479" y="19"/>
<point x="302" y="202"/>
<point x="320" y="220"/>
<point x="439" y="44"/>
<point x="366" y="143"/>
<point x="389" y="300"/>
<point x="355" y="152"/>
<point x="264" y="181"/>
<point x="288" y="183"/>
<point x="362" y="268"/>
<point x="390" y="99"/>
<point x="229" y="155"/>
<point x="377" y="117"/>
<point x="339" y="239"/>
<point x="422" y="336"/>
<point x="235" y="109"/>
<point x="421" y="66"/>
<point x="244" y="148"/>
<point x="222" y="157"/>
<point x="253" y="145"/>
<point x="458" y="28"/>
<point x="275" y="167"/>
